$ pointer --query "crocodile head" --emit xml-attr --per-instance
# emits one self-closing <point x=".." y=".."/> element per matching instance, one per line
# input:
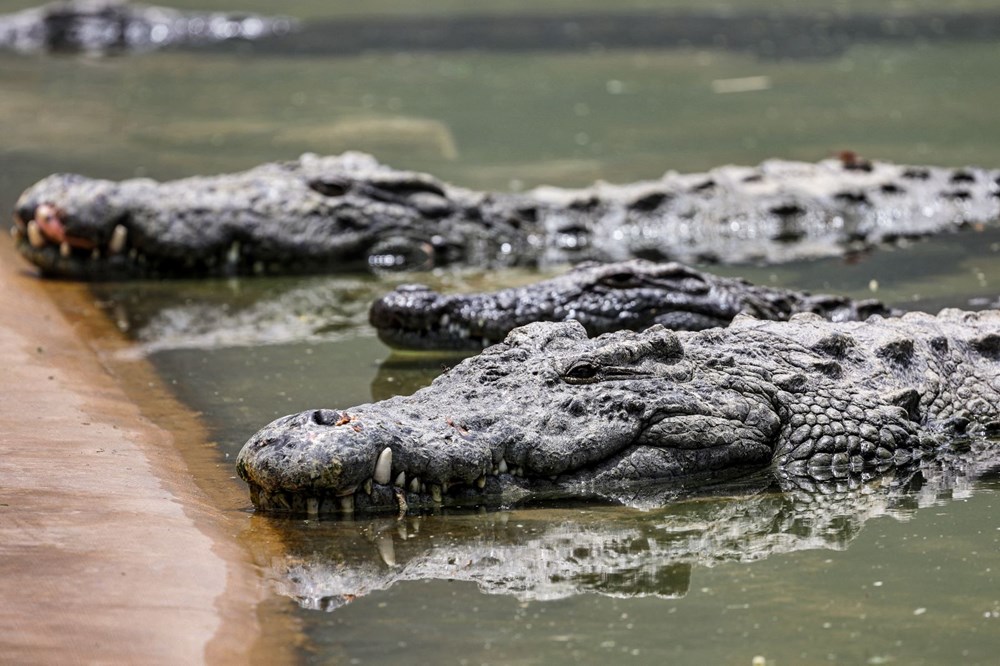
<point x="314" y="215"/>
<point x="629" y="295"/>
<point x="67" y="225"/>
<point x="547" y="411"/>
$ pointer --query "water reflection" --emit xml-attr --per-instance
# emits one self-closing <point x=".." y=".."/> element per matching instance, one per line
<point x="954" y="270"/>
<point x="764" y="33"/>
<point x="558" y="552"/>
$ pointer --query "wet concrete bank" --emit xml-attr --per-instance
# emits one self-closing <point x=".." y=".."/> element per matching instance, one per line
<point x="110" y="550"/>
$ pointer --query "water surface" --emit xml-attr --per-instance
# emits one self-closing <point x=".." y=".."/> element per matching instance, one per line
<point x="908" y="575"/>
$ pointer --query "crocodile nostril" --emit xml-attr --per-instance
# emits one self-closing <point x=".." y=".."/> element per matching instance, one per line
<point x="327" y="417"/>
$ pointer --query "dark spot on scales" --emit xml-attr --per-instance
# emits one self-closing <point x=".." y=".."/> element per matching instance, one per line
<point x="909" y="400"/>
<point x="851" y="197"/>
<point x="898" y="351"/>
<point x="649" y="201"/>
<point x="988" y="345"/>
<point x="330" y="187"/>
<point x="835" y="344"/>
<point x="916" y="173"/>
<point x="787" y="210"/>
<point x="939" y="345"/>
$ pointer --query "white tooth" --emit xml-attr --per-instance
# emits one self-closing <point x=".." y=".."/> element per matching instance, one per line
<point x="118" y="237"/>
<point x="495" y="470"/>
<point x="519" y="471"/>
<point x="436" y="493"/>
<point x="401" y="531"/>
<point x="415" y="485"/>
<point x="64" y="249"/>
<point x="15" y="233"/>
<point x="383" y="466"/>
<point x="35" y="236"/>
<point x="502" y="467"/>
<point x="347" y="503"/>
<point x="368" y="487"/>
<point x="444" y="487"/>
<point x="423" y="488"/>
<point x="400" y="480"/>
<point x="386" y="549"/>
<point x="481" y="481"/>
<point x="233" y="255"/>
<point x="312" y="506"/>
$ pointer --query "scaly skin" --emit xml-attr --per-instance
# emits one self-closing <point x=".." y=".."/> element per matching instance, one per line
<point x="108" y="27"/>
<point x="552" y="412"/>
<point x="629" y="295"/>
<point x="349" y="212"/>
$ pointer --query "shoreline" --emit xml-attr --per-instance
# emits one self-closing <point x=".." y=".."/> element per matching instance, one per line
<point x="120" y="531"/>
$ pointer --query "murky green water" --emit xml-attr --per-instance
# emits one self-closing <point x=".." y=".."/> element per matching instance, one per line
<point x="904" y="575"/>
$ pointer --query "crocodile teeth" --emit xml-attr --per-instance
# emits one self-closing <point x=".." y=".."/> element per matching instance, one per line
<point x="368" y="487"/>
<point x="64" y="249"/>
<point x="35" y="236"/>
<point x="415" y="485"/>
<point x="15" y="233"/>
<point x="481" y="482"/>
<point x="383" y="466"/>
<point x="312" y="506"/>
<point x="347" y="504"/>
<point x="118" y="237"/>
<point x="436" y="493"/>
<point x="386" y="549"/>
<point x="400" y="480"/>
<point x="502" y="467"/>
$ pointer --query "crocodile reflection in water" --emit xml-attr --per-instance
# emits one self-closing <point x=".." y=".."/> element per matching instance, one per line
<point x="109" y="27"/>
<point x="554" y="553"/>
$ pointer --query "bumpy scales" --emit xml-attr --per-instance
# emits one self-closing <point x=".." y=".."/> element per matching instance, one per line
<point x="632" y="295"/>
<point x="328" y="214"/>
<point x="550" y="411"/>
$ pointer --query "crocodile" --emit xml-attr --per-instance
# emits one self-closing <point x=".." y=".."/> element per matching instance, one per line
<point x="550" y="412"/>
<point x="631" y="295"/>
<point x="112" y="27"/>
<point x="349" y="212"/>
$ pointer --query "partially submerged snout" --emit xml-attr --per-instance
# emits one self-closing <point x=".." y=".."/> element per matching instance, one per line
<point x="328" y="461"/>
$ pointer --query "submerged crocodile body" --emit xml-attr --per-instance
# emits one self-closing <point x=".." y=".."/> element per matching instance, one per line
<point x="107" y="27"/>
<point x="630" y="295"/>
<point x="327" y="214"/>
<point x="551" y="412"/>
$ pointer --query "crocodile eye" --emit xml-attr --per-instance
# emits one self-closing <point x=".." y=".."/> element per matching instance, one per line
<point x="582" y="372"/>
<point x="620" y="280"/>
